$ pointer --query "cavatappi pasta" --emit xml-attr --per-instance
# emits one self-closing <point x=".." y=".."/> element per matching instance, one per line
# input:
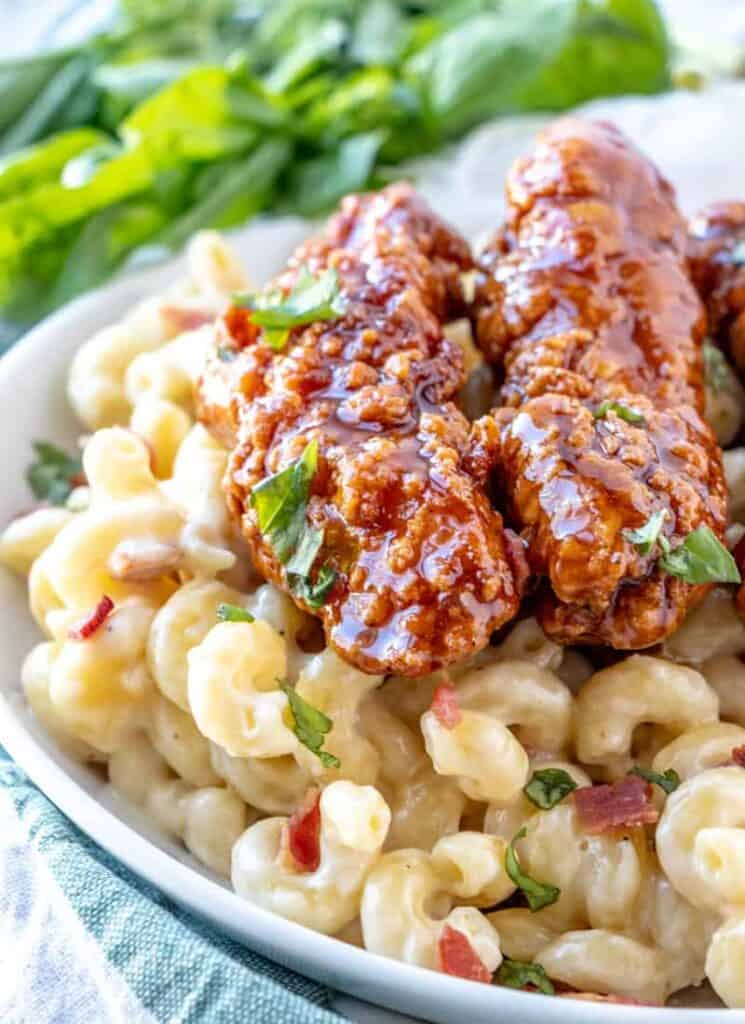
<point x="400" y="814"/>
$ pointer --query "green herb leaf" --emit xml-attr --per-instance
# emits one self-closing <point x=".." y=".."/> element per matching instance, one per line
<point x="645" y="537"/>
<point x="701" y="558"/>
<point x="717" y="370"/>
<point x="38" y="164"/>
<point x="311" y="299"/>
<point x="316" y="184"/>
<point x="515" y="974"/>
<point x="538" y="894"/>
<point x="548" y="787"/>
<point x="305" y="553"/>
<point x="310" y="725"/>
<point x="314" y="594"/>
<point x="667" y="781"/>
<point x="52" y="476"/>
<point x="280" y="502"/>
<point x="621" y="410"/>
<point x="738" y="253"/>
<point x="233" y="613"/>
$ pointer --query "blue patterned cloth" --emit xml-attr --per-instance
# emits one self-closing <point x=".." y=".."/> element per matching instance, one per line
<point x="83" y="941"/>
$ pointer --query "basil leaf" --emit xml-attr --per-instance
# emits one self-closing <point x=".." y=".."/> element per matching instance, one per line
<point x="314" y="594"/>
<point x="380" y="33"/>
<point x="311" y="299"/>
<point x="538" y="894"/>
<point x="548" y="787"/>
<point x="667" y="781"/>
<point x="280" y="502"/>
<point x="645" y="537"/>
<point x="233" y="613"/>
<point x="625" y="412"/>
<point x="515" y="974"/>
<point x="738" y="253"/>
<point x="701" y="558"/>
<point x="717" y="371"/>
<point x="305" y="553"/>
<point x="310" y="725"/>
<point x="52" y="476"/>
<point x="316" y="184"/>
<point x="40" y="164"/>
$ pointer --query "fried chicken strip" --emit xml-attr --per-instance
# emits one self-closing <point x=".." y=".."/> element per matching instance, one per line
<point x="424" y="569"/>
<point x="589" y="302"/>
<point x="716" y="251"/>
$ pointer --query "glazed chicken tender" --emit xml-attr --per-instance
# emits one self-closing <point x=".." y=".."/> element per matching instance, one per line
<point x="716" y="251"/>
<point x="601" y="446"/>
<point x="422" y="568"/>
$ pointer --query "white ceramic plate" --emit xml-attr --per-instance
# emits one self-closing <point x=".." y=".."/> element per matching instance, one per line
<point x="698" y="155"/>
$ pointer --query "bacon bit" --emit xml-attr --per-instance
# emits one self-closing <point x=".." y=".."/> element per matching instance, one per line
<point x="445" y="706"/>
<point x="138" y="561"/>
<point x="595" y="997"/>
<point x="626" y="803"/>
<point x="458" y="957"/>
<point x="302" y="837"/>
<point x="78" y="480"/>
<point x="184" y="318"/>
<point x="95" y="620"/>
<point x="738" y="756"/>
<point x="240" y="327"/>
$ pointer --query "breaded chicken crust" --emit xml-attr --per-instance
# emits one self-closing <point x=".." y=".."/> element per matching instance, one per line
<point x="424" y="569"/>
<point x="587" y="301"/>
<point x="716" y="251"/>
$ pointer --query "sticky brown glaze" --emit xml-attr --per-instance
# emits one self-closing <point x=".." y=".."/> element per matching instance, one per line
<point x="719" y="277"/>
<point x="587" y="299"/>
<point x="425" y="570"/>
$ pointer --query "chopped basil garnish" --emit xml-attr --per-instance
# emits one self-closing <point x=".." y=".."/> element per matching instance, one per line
<point x="305" y="553"/>
<point x="717" y="371"/>
<point x="311" y="299"/>
<point x="538" y="894"/>
<point x="667" y="781"/>
<point x="281" y="502"/>
<point x="738" y="253"/>
<point x="310" y="726"/>
<point x="548" y="787"/>
<point x="701" y="558"/>
<point x="621" y="410"/>
<point x="645" y="537"/>
<point x="233" y="613"/>
<point x="514" y="974"/>
<point x="314" y="594"/>
<point x="52" y="477"/>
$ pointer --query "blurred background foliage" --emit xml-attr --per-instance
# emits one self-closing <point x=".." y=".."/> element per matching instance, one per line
<point x="181" y="114"/>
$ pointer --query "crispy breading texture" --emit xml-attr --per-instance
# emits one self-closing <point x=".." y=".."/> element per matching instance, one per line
<point x="716" y="251"/>
<point x="424" y="569"/>
<point x="588" y="300"/>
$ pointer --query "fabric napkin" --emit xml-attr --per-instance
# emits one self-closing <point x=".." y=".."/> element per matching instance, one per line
<point x="83" y="941"/>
